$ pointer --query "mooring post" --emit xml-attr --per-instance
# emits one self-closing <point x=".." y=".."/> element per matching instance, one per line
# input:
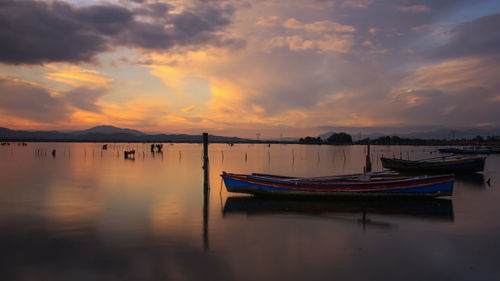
<point x="205" y="161"/>
<point x="206" y="191"/>
<point x="368" y="160"/>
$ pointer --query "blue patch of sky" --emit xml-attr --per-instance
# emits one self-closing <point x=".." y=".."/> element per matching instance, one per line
<point x="83" y="2"/>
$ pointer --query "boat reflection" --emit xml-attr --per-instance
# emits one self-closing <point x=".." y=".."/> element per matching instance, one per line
<point x="430" y="208"/>
<point x="475" y="180"/>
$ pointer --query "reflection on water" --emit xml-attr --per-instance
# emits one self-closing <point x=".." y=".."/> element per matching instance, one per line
<point x="475" y="180"/>
<point x="88" y="213"/>
<point x="430" y="208"/>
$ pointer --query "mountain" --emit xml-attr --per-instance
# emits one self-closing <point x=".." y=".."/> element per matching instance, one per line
<point x="106" y="129"/>
<point x="107" y="134"/>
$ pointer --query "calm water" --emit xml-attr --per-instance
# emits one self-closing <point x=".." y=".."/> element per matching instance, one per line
<point x="89" y="214"/>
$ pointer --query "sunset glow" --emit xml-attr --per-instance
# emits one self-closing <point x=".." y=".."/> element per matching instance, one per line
<point x="279" y="68"/>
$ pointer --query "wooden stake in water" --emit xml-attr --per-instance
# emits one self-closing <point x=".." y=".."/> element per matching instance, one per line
<point x="368" y="159"/>
<point x="206" y="190"/>
<point x="206" y="185"/>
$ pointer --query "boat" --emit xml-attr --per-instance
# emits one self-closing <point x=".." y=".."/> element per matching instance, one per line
<point x="358" y="185"/>
<point x="470" y="150"/>
<point x="455" y="164"/>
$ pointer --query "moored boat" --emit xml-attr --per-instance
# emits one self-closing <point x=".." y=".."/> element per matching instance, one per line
<point x="342" y="186"/>
<point x="436" y="165"/>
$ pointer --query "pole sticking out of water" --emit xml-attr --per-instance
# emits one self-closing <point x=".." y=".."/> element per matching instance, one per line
<point x="206" y="185"/>
<point x="368" y="167"/>
<point x="206" y="191"/>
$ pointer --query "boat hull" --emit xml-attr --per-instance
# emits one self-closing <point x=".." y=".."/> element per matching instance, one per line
<point x="431" y="186"/>
<point x="465" y="165"/>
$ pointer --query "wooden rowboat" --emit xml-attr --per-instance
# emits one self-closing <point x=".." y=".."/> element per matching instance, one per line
<point x="341" y="186"/>
<point x="436" y="165"/>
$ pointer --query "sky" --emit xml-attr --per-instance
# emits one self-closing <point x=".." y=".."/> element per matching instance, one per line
<point x="241" y="68"/>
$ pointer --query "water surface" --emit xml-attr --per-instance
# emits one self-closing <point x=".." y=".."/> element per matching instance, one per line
<point x="90" y="214"/>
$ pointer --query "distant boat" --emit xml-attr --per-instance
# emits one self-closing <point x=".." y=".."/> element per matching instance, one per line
<point x="437" y="165"/>
<point x="470" y="150"/>
<point x="361" y="185"/>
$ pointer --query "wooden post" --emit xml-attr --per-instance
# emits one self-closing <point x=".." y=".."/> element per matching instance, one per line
<point x="368" y="160"/>
<point x="206" y="191"/>
<point x="206" y="185"/>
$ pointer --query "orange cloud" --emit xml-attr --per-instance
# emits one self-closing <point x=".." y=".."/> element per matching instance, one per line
<point x="77" y="76"/>
<point x="452" y="75"/>
<point x="319" y="26"/>
<point x="188" y="109"/>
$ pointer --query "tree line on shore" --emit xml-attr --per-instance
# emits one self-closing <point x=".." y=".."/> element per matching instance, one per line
<point x="346" y="139"/>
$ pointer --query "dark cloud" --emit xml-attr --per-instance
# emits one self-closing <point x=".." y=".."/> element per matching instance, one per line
<point x="455" y="108"/>
<point x="32" y="102"/>
<point x="84" y="98"/>
<point x="390" y="26"/>
<point x="36" y="32"/>
<point x="480" y="37"/>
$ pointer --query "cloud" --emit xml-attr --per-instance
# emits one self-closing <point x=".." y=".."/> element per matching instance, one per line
<point x="359" y="4"/>
<point x="414" y="9"/>
<point x="188" y="109"/>
<point x="338" y="68"/>
<point x="321" y="36"/>
<point x="84" y="98"/>
<point x="269" y="21"/>
<point x="77" y="76"/>
<point x="318" y="26"/>
<point x="471" y="39"/>
<point x="304" y="65"/>
<point x="28" y="101"/>
<point x="35" y="32"/>
<point x="455" y="92"/>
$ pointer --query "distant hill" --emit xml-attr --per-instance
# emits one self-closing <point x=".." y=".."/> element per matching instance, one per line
<point x="107" y="134"/>
<point x="106" y="129"/>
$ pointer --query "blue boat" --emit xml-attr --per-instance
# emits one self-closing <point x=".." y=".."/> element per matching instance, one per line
<point x="361" y="185"/>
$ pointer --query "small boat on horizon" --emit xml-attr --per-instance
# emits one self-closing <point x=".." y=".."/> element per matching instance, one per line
<point x="454" y="164"/>
<point x="358" y="185"/>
